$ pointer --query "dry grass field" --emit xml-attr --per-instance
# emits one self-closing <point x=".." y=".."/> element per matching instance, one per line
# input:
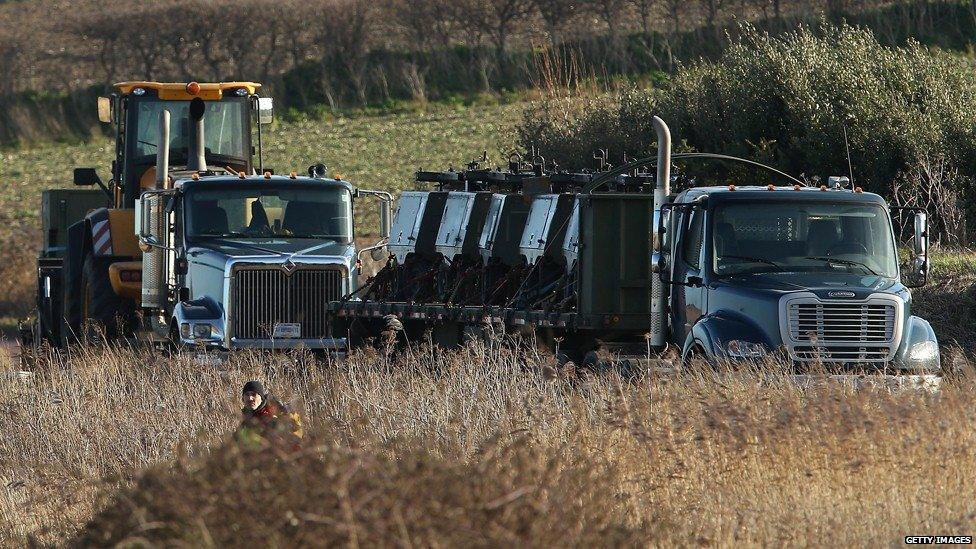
<point x="490" y="445"/>
<point x="487" y="446"/>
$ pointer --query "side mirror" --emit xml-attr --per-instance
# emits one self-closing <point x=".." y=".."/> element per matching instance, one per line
<point x="86" y="177"/>
<point x="152" y="212"/>
<point x="657" y="263"/>
<point x="105" y="111"/>
<point x="265" y="110"/>
<point x="920" y="245"/>
<point x="386" y="209"/>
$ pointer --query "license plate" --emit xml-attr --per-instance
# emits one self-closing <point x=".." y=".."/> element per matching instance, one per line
<point x="284" y="330"/>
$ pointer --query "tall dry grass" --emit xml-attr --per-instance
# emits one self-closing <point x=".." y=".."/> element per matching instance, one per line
<point x="487" y="445"/>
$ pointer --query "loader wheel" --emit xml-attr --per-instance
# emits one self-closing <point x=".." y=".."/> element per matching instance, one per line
<point x="103" y="311"/>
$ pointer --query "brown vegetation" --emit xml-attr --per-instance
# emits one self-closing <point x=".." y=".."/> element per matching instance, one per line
<point x="488" y="445"/>
<point x="97" y="42"/>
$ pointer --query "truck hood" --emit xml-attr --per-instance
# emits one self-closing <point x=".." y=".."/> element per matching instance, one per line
<point x="215" y="254"/>
<point x="271" y="247"/>
<point x="820" y="283"/>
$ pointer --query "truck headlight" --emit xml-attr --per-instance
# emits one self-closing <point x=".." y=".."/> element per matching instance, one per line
<point x="185" y="330"/>
<point x="742" y="350"/>
<point x="925" y="354"/>
<point x="202" y="331"/>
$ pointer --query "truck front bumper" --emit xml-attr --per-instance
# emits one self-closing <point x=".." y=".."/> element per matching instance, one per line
<point x="905" y="382"/>
<point x="329" y="344"/>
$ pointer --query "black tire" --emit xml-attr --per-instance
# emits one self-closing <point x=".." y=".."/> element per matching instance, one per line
<point x="103" y="311"/>
<point x="697" y="357"/>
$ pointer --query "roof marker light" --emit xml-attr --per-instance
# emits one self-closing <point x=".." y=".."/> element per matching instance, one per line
<point x="267" y="175"/>
<point x="770" y="187"/>
<point x="858" y="190"/>
<point x="823" y="188"/>
<point x="241" y="175"/>
<point x="195" y="176"/>
<point x="241" y="92"/>
<point x="293" y="175"/>
<point x="139" y="91"/>
<point x="193" y="88"/>
<point x="732" y="188"/>
<point x="796" y="187"/>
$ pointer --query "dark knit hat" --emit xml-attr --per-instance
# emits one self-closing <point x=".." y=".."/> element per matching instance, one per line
<point x="254" y="386"/>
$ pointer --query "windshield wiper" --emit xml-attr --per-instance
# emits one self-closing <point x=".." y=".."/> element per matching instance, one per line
<point x="318" y="236"/>
<point x="849" y="262"/>
<point x="753" y="259"/>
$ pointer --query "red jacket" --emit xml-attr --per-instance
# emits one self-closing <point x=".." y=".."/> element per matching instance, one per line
<point x="272" y="417"/>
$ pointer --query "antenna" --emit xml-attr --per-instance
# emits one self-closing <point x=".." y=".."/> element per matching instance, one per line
<point x="850" y="167"/>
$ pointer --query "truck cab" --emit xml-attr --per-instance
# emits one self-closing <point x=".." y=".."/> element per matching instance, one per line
<point x="249" y="261"/>
<point x="811" y="274"/>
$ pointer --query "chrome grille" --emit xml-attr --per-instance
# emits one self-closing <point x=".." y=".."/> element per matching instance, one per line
<point x="842" y="322"/>
<point x="841" y="354"/>
<point x="816" y="330"/>
<point x="266" y="296"/>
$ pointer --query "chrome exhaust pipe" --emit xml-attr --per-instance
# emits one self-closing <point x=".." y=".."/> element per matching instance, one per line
<point x="196" y="153"/>
<point x="162" y="151"/>
<point x="659" y="291"/>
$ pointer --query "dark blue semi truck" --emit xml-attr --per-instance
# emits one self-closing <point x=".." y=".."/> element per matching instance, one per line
<point x="811" y="273"/>
<point x="611" y="260"/>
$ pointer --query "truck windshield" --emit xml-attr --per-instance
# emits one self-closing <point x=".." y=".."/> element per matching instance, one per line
<point x="223" y="127"/>
<point x="750" y="237"/>
<point x="269" y="211"/>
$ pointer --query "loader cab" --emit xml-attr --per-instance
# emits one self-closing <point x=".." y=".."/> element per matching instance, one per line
<point x="135" y="108"/>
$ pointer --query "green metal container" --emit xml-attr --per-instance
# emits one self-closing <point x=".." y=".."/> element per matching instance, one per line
<point x="615" y="260"/>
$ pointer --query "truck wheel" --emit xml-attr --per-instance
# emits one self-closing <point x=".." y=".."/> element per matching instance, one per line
<point x="697" y="357"/>
<point x="102" y="309"/>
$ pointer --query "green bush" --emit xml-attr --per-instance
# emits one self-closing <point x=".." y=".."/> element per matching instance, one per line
<point x="785" y="100"/>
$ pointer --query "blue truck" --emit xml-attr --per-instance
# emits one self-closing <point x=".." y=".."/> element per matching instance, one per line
<point x="611" y="260"/>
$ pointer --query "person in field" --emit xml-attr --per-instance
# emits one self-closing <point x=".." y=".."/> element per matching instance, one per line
<point x="265" y="417"/>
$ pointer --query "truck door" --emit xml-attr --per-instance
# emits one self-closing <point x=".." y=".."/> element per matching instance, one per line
<point x="688" y="297"/>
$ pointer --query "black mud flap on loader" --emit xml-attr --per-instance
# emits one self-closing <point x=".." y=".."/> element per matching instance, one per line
<point x="49" y="324"/>
<point x="79" y="242"/>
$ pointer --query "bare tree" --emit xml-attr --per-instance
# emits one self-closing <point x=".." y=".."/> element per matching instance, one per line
<point x="100" y="33"/>
<point x="298" y="42"/>
<point x="611" y="12"/>
<point x="494" y="18"/>
<point x="179" y="41"/>
<point x="645" y="10"/>
<point x="11" y="53"/>
<point x="426" y="23"/>
<point x="711" y="11"/>
<point x="555" y="15"/>
<point x="674" y="12"/>
<point x="141" y="31"/>
<point x="345" y="34"/>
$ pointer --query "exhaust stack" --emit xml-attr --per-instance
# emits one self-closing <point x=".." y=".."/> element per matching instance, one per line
<point x="196" y="153"/>
<point x="162" y="151"/>
<point x="153" y="208"/>
<point x="659" y="295"/>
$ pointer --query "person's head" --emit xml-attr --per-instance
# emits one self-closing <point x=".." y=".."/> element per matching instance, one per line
<point x="253" y="395"/>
